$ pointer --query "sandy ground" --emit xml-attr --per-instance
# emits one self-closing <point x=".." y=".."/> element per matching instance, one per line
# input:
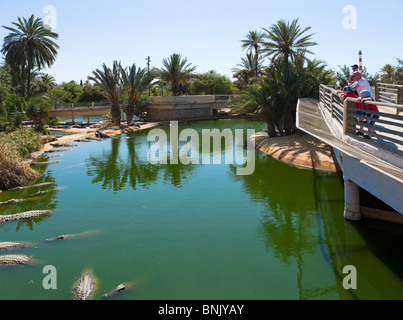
<point x="298" y="149"/>
<point x="78" y="134"/>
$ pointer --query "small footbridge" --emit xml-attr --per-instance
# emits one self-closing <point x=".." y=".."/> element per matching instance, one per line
<point x="375" y="164"/>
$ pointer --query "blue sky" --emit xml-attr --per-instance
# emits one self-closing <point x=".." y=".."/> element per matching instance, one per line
<point x="208" y="32"/>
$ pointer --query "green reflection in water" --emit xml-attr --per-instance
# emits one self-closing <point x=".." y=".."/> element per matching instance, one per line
<point x="197" y="231"/>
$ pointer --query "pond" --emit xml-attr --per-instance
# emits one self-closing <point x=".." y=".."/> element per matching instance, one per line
<point x="195" y="231"/>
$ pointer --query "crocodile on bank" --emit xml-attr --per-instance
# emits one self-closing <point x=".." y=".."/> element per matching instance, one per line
<point x="23" y="215"/>
<point x="94" y="138"/>
<point x="14" y="259"/>
<point x="56" y="155"/>
<point x="57" y="150"/>
<point x="119" y="288"/>
<point x="64" y="144"/>
<point x="84" y="287"/>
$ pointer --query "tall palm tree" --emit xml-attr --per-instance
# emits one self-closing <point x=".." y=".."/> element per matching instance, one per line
<point x="252" y="42"/>
<point x="30" y="46"/>
<point x="135" y="81"/>
<point x="176" y="71"/>
<point x="109" y="82"/>
<point x="388" y="73"/>
<point x="285" y="41"/>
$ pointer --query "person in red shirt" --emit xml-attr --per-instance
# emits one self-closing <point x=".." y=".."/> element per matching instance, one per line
<point x="366" y="96"/>
<point x="348" y="92"/>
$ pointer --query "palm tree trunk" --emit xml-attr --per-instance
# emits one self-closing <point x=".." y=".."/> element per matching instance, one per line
<point x="116" y="115"/>
<point x="286" y="70"/>
<point x="175" y="89"/>
<point x="271" y="129"/>
<point x="28" y="92"/>
<point x="130" y="113"/>
<point x="256" y="60"/>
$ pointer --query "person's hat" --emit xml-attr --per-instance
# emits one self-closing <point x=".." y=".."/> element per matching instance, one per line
<point x="354" y="66"/>
<point x="348" y="88"/>
<point x="366" y="92"/>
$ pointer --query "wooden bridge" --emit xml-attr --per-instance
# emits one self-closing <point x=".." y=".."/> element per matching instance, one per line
<point x="160" y="108"/>
<point x="376" y="164"/>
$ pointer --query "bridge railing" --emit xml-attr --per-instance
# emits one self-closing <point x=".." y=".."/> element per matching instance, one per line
<point x="332" y="103"/>
<point x="388" y="128"/>
<point x="390" y="93"/>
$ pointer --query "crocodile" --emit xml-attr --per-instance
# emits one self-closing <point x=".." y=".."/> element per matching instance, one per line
<point x="11" y="245"/>
<point x="45" y="191"/>
<point x="56" y="155"/>
<point x="45" y="163"/>
<point x="61" y="237"/>
<point x="84" y="287"/>
<point x="12" y="201"/>
<point x="64" y="144"/>
<point x="69" y="236"/>
<point x="23" y="215"/>
<point x="102" y="134"/>
<point x="82" y="140"/>
<point x="119" y="288"/>
<point x="94" y="138"/>
<point x="57" y="150"/>
<point x="15" y="259"/>
<point x="32" y="186"/>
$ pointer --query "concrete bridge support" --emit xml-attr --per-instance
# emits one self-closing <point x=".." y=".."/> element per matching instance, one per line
<point x="352" y="210"/>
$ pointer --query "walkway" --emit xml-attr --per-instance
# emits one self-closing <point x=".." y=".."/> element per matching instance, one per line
<point x="375" y="165"/>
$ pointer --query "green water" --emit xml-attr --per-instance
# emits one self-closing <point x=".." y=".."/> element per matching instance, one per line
<point x="196" y="231"/>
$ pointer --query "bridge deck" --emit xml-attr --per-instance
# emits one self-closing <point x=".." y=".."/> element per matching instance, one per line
<point x="312" y="121"/>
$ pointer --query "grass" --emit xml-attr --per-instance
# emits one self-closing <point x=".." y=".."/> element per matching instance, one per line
<point x="24" y="141"/>
<point x="15" y="147"/>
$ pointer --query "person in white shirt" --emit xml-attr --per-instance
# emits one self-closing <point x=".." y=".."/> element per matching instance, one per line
<point x="359" y="83"/>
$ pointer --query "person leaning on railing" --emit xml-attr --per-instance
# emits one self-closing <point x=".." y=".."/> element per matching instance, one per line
<point x="365" y="95"/>
<point x="358" y="82"/>
<point x="348" y="92"/>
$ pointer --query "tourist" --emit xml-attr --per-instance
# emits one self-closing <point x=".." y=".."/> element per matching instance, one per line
<point x="365" y="96"/>
<point x="359" y="83"/>
<point x="348" y="92"/>
<point x="355" y="69"/>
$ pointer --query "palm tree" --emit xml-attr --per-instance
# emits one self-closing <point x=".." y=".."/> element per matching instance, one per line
<point x="109" y="82"/>
<point x="388" y="73"/>
<point x="135" y="81"/>
<point x="287" y="41"/>
<point x="249" y="71"/>
<point x="42" y="84"/>
<point x="30" y="46"/>
<point x="252" y="42"/>
<point x="176" y="71"/>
